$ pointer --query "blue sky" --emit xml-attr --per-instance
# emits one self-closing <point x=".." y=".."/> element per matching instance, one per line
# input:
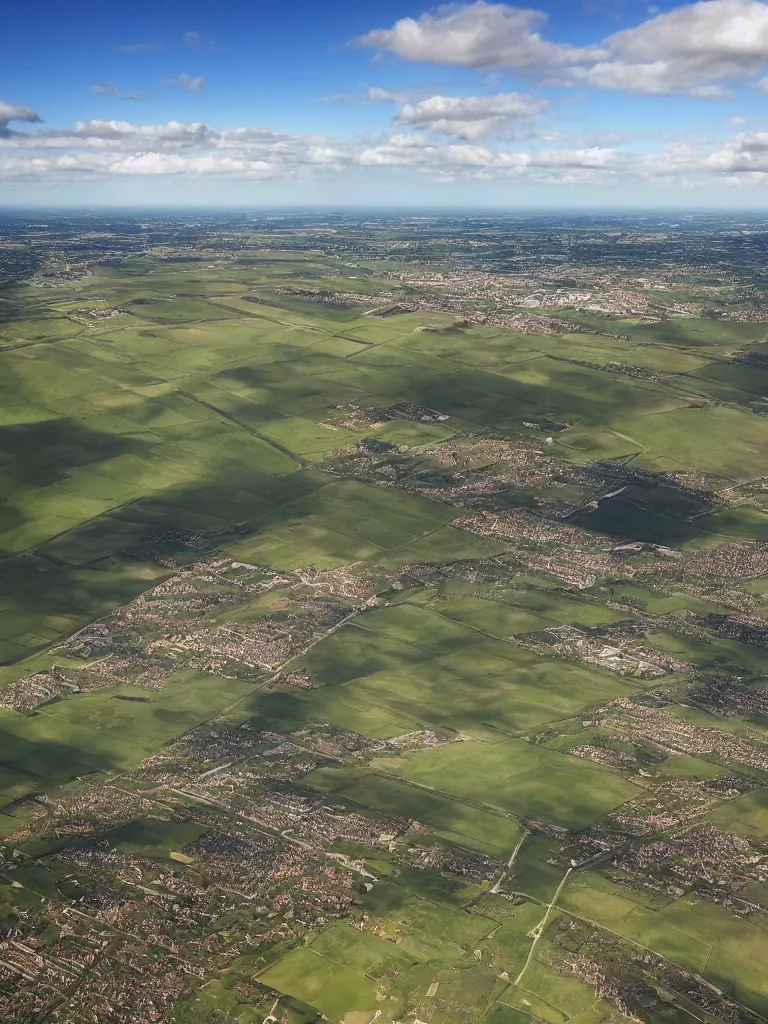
<point x="599" y="102"/>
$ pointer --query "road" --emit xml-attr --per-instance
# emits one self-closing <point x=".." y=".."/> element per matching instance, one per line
<point x="510" y="862"/>
<point x="540" y="928"/>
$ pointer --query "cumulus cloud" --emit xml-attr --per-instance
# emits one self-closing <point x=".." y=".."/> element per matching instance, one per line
<point x="15" y="112"/>
<point x="173" y="163"/>
<point x="114" y="90"/>
<point x="140" y="47"/>
<point x="479" y="35"/>
<point x="696" y="48"/>
<point x="122" y="134"/>
<point x="192" y="83"/>
<point x="691" y="49"/>
<point x="471" y="117"/>
<point x="746" y="153"/>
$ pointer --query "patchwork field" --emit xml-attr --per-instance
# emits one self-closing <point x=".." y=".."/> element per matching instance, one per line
<point x="377" y="665"/>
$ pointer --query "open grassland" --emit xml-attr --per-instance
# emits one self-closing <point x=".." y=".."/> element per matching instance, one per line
<point x="487" y="690"/>
<point x="336" y="990"/>
<point x="524" y="609"/>
<point x="419" y="944"/>
<point x="460" y="822"/>
<point x="457" y="674"/>
<point x="108" y="730"/>
<point x="714" y="653"/>
<point x="527" y="781"/>
<point x="747" y="816"/>
<point x="700" y="937"/>
<point x="150" y="723"/>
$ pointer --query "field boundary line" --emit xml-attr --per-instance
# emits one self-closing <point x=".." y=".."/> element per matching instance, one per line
<point x="243" y="426"/>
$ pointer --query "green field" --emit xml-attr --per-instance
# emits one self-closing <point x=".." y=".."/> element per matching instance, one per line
<point x="93" y="732"/>
<point x="459" y="822"/>
<point x="529" y="781"/>
<point x="747" y="816"/>
<point x="515" y="777"/>
<point x="187" y="699"/>
<point x="346" y="718"/>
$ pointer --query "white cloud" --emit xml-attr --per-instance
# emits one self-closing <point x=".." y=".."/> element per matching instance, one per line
<point x="470" y="160"/>
<point x="122" y="134"/>
<point x="166" y="163"/>
<point x="479" y="35"/>
<point x="471" y="117"/>
<point x="746" y="153"/>
<point x="742" y="161"/>
<point x="691" y="49"/>
<point x="15" y="112"/>
<point x="192" y="83"/>
<point x="696" y="48"/>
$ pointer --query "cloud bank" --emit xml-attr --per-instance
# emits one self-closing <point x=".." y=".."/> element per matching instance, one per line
<point x="103" y="148"/>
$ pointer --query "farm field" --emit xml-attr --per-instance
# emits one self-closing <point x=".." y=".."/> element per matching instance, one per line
<point x="363" y="660"/>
